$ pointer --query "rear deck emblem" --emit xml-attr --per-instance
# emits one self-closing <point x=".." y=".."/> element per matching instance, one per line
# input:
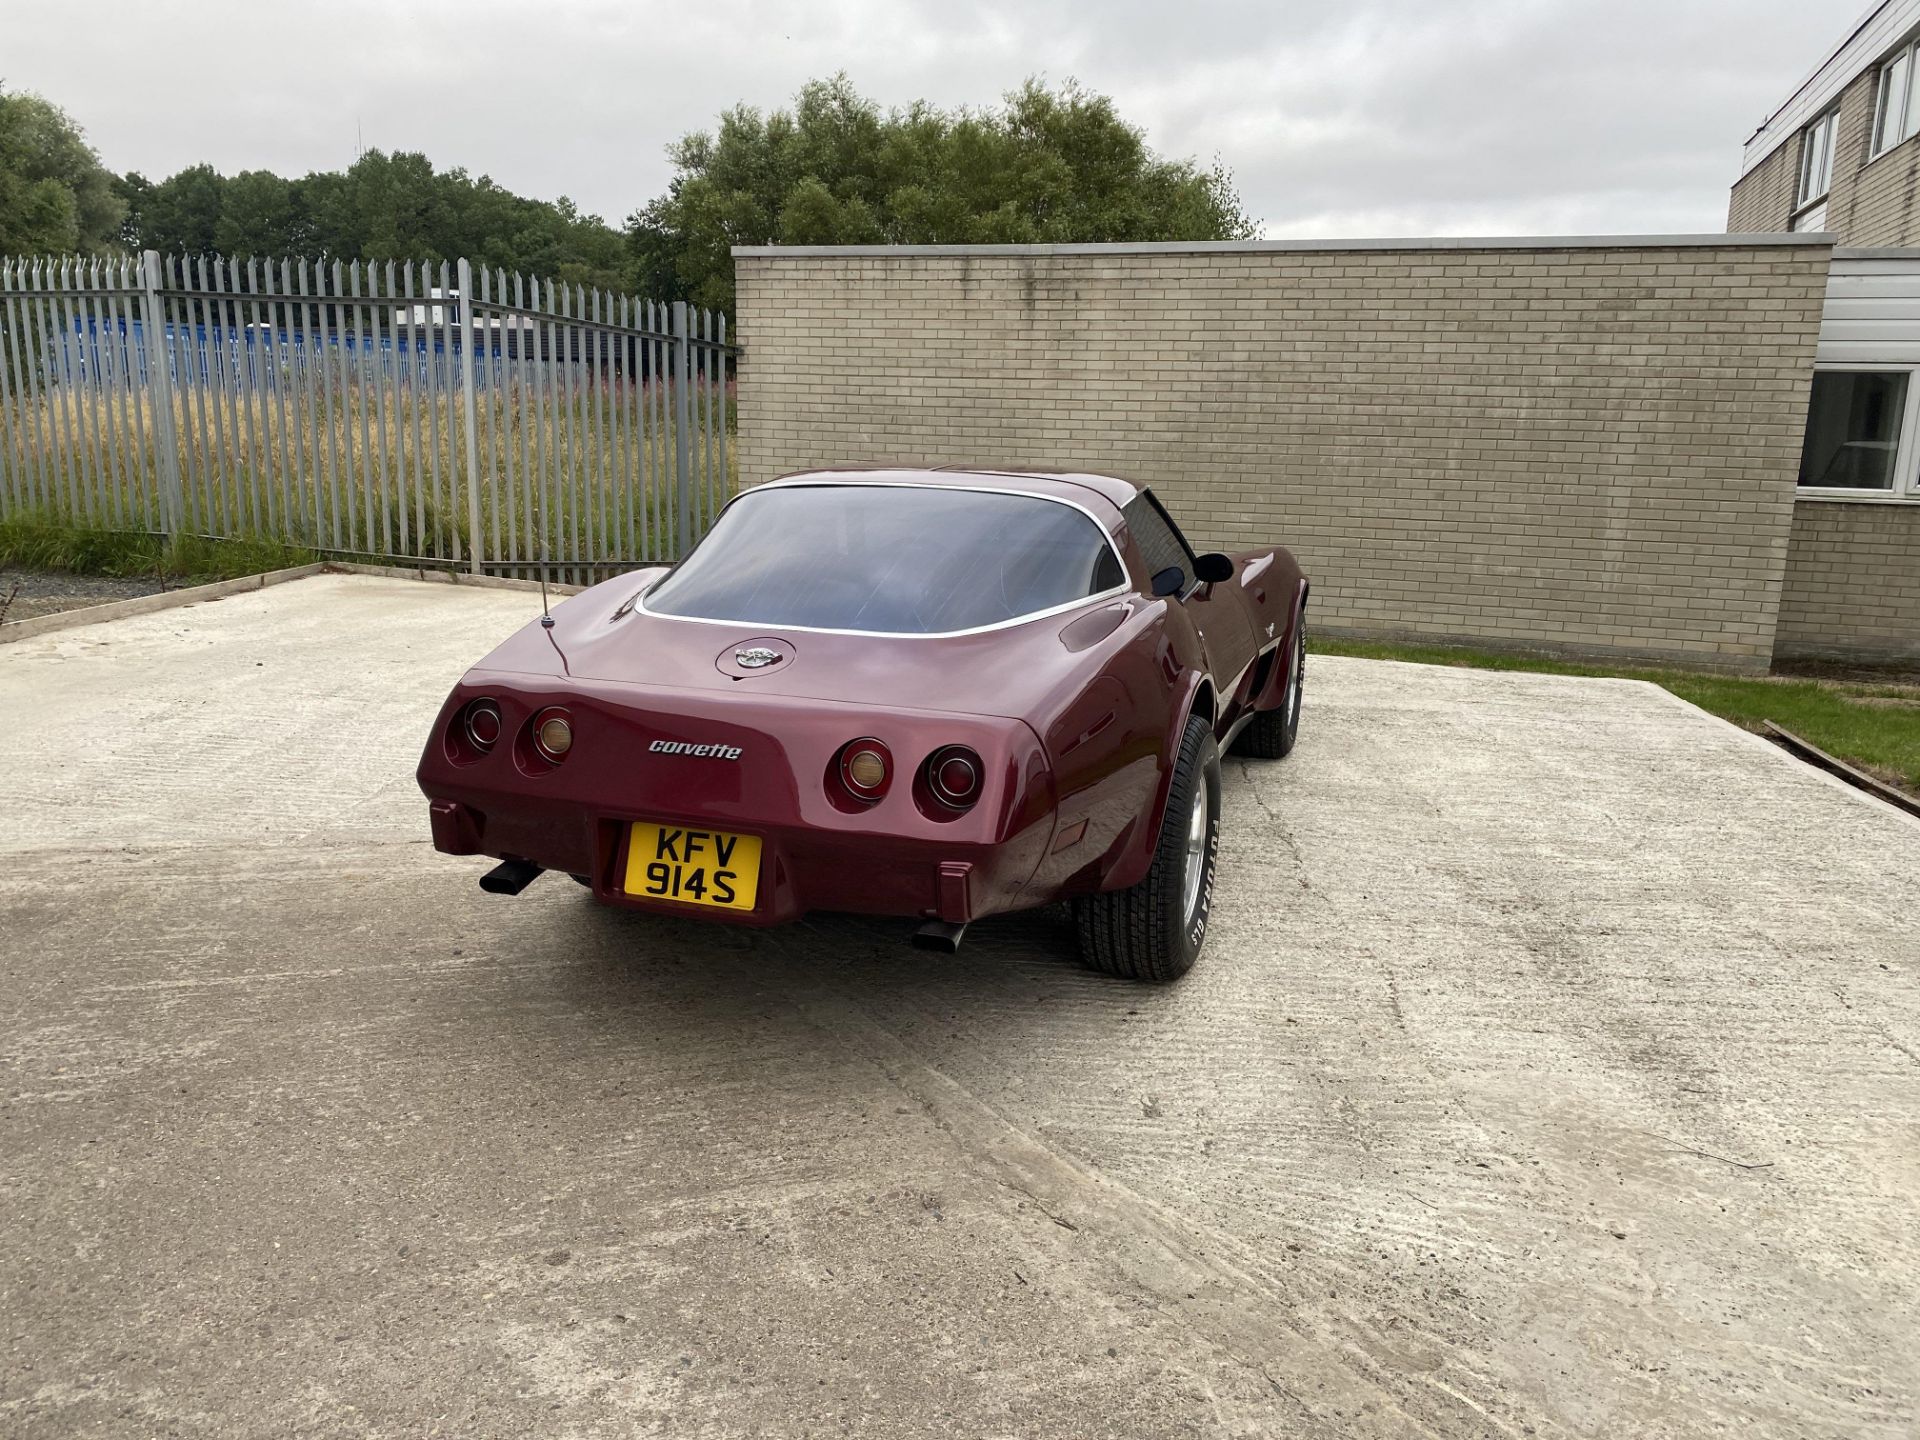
<point x="687" y="747"/>
<point x="755" y="658"/>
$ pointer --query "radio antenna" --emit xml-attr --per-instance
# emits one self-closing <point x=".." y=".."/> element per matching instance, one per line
<point x="546" y="611"/>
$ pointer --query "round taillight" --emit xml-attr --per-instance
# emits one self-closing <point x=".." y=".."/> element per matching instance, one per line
<point x="552" y="734"/>
<point x="953" y="775"/>
<point x="483" y="724"/>
<point x="866" y="766"/>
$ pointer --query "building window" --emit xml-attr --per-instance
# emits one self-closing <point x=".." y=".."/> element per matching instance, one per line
<point x="1897" y="114"/>
<point x="1816" y="161"/>
<point x="1855" y="427"/>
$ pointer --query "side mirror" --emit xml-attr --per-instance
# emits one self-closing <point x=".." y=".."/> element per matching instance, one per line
<point x="1170" y="581"/>
<point x="1212" y="568"/>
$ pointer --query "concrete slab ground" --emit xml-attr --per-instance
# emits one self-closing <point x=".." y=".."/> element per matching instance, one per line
<point x="1554" y="1069"/>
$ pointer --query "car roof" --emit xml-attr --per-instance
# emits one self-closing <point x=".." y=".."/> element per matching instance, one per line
<point x="1072" y="485"/>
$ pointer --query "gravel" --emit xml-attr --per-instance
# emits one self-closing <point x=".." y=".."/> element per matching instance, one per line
<point x="42" y="592"/>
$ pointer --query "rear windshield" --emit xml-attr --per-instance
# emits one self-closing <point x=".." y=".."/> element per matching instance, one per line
<point x="888" y="558"/>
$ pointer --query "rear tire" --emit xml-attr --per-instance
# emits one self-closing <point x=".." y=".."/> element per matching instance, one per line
<point x="1271" y="734"/>
<point x="1154" y="930"/>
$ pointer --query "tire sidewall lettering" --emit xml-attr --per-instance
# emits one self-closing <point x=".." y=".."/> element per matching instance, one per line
<point x="1196" y="929"/>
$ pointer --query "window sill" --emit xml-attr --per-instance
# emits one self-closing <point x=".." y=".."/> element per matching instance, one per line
<point x="1873" y="160"/>
<point x="1854" y="497"/>
<point x="1818" y="203"/>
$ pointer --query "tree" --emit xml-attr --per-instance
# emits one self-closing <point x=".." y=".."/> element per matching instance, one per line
<point x="1048" y="166"/>
<point x="55" y="196"/>
<point x="135" y="193"/>
<point x="260" y="214"/>
<point x="385" y="206"/>
<point x="181" y="215"/>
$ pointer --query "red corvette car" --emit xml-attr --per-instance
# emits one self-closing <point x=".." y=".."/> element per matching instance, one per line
<point x="936" y="694"/>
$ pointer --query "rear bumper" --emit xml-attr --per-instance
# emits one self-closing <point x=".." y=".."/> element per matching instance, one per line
<point x="871" y="874"/>
<point x="897" y="856"/>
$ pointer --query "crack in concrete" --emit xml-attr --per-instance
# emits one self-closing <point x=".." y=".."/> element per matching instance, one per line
<point x="1279" y="829"/>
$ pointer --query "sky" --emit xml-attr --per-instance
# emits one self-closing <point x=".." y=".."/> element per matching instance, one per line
<point x="1337" y="120"/>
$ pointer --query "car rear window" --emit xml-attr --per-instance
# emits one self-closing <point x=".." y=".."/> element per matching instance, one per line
<point x="889" y="559"/>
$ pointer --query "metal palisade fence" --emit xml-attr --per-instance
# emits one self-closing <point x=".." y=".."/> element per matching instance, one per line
<point x="408" y="413"/>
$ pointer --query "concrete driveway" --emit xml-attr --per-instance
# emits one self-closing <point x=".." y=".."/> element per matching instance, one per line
<point x="1554" y="1069"/>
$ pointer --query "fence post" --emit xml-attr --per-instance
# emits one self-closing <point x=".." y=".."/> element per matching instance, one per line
<point x="471" y="325"/>
<point x="682" y="466"/>
<point x="166" y="441"/>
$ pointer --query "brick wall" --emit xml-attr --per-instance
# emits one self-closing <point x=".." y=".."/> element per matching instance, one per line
<point x="1762" y="199"/>
<point x="1589" y="448"/>
<point x="1853" y="583"/>
<point x="1870" y="203"/>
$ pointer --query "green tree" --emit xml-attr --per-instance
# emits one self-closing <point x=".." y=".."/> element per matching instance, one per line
<point x="55" y="196"/>
<point x="135" y="193"/>
<point x="385" y="206"/>
<point x="181" y="215"/>
<point x="1046" y="167"/>
<point x="260" y="215"/>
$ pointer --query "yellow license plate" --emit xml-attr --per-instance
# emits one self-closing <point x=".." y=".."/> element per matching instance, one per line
<point x="694" y="867"/>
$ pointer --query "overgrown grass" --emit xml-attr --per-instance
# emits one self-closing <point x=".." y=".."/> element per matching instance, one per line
<point x="43" y="540"/>
<point x="1873" y="726"/>
<point x="372" y="470"/>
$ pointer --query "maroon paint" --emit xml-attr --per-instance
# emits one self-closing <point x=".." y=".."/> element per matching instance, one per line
<point x="1076" y="717"/>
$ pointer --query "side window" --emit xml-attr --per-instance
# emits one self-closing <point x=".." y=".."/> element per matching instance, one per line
<point x="1160" y="544"/>
<point x="1816" y="160"/>
<point x="1853" y="431"/>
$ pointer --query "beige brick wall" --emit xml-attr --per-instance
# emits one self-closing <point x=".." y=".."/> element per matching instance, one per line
<point x="1762" y="199"/>
<point x="1583" y="448"/>
<point x="1853" y="583"/>
<point x="1870" y="203"/>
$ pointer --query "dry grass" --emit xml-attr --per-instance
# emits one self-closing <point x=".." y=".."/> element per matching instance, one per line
<point x="373" y="470"/>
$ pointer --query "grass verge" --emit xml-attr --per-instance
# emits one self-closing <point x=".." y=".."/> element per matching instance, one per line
<point x="1874" y="726"/>
<point x="41" y="541"/>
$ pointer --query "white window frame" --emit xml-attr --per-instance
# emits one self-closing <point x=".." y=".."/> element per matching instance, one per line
<point x="1906" y="454"/>
<point x="1816" y="160"/>
<point x="1896" y="93"/>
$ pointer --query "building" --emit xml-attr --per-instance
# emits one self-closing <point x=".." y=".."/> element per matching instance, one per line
<point x="1841" y="154"/>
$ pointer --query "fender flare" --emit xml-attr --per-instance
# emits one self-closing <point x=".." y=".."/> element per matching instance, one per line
<point x="1133" y="865"/>
<point x="1276" y="683"/>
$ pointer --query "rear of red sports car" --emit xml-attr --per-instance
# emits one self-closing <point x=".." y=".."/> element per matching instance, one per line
<point x="874" y="753"/>
<point x="904" y="693"/>
<point x="740" y="804"/>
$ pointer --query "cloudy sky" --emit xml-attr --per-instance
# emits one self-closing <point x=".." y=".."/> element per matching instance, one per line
<point x="1337" y="117"/>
